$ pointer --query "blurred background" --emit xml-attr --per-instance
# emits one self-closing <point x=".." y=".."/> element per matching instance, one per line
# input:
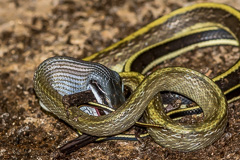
<point x="34" y="30"/>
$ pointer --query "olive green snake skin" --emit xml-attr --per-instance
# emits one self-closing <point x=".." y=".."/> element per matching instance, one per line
<point x="59" y="76"/>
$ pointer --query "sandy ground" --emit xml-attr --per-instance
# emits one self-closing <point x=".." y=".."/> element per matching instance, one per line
<point x="32" y="31"/>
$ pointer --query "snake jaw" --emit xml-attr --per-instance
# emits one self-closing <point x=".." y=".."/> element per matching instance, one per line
<point x="98" y="94"/>
<point x="97" y="91"/>
<point x="113" y="100"/>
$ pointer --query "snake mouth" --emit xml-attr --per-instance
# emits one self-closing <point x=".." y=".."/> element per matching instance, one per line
<point x="112" y="97"/>
<point x="82" y="100"/>
<point x="99" y="93"/>
<point x="101" y="97"/>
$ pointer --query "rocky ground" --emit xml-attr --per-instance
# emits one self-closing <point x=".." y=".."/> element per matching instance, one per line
<point x="32" y="31"/>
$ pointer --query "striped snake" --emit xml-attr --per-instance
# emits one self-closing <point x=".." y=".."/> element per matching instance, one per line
<point x="199" y="25"/>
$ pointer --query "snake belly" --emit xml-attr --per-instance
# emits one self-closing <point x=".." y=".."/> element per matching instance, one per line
<point x="124" y="55"/>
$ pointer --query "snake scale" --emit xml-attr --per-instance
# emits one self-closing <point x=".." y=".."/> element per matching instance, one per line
<point x="210" y="24"/>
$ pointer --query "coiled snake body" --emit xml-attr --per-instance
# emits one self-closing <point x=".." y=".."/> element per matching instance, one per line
<point x="210" y="24"/>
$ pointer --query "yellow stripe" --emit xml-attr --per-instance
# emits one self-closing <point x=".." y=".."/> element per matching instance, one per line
<point x="188" y="48"/>
<point x="232" y="69"/>
<point x="233" y="99"/>
<point x="231" y="89"/>
<point x="182" y="110"/>
<point x="101" y="106"/>
<point x="162" y="20"/>
<point x="197" y="28"/>
<point x="125" y="136"/>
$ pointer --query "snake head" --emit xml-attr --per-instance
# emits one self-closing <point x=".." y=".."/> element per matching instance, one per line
<point x="108" y="90"/>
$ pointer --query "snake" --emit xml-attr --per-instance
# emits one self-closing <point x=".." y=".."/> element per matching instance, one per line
<point x="199" y="25"/>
